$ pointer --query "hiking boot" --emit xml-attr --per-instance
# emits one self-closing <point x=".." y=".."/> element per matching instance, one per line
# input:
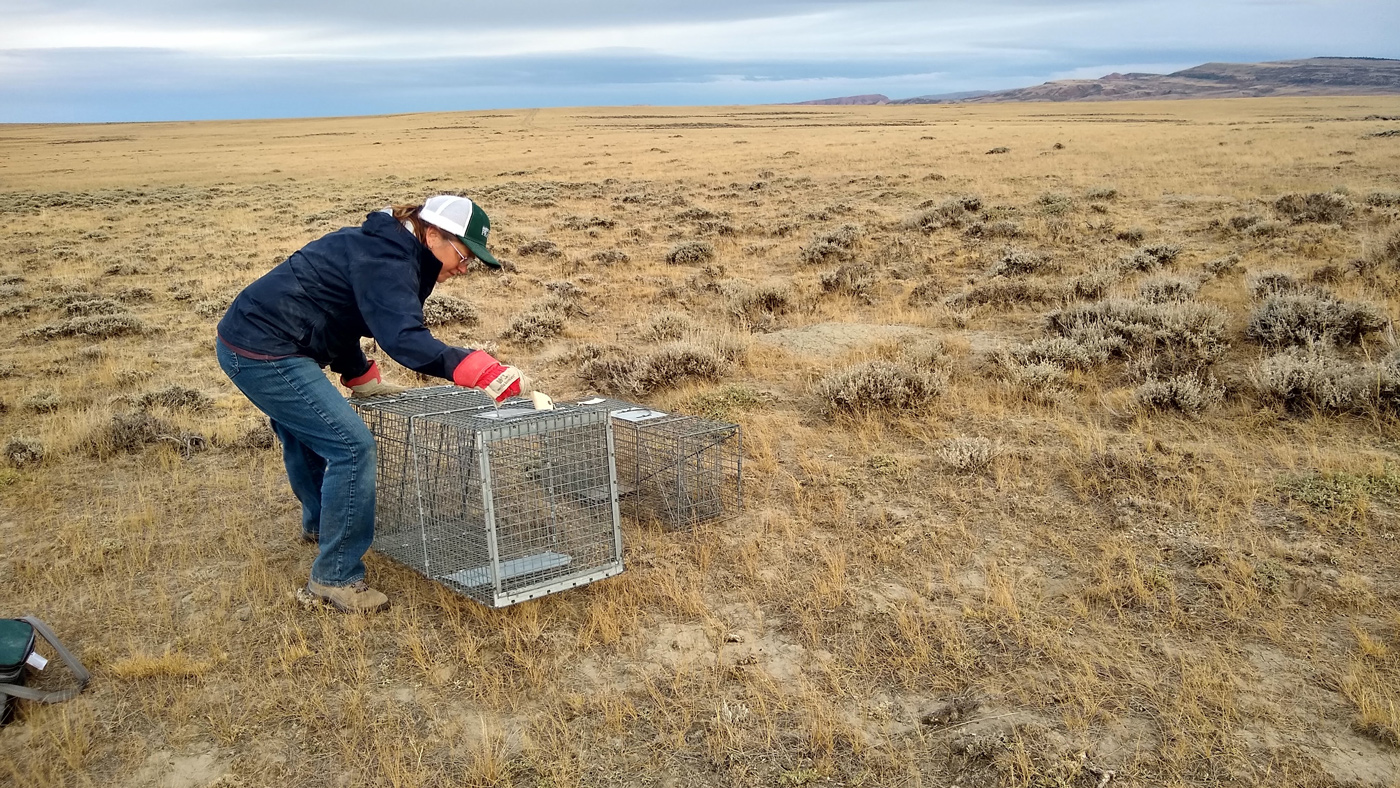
<point x="309" y="538"/>
<point x="356" y="597"/>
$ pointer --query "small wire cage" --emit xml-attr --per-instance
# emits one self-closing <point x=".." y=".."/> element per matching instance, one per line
<point x="674" y="470"/>
<point x="499" y="504"/>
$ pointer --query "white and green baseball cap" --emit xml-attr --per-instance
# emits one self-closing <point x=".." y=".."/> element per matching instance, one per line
<point x="464" y="219"/>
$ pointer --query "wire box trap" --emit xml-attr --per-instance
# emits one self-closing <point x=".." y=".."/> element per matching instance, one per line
<point x="509" y="504"/>
<point x="674" y="470"/>
<point x="499" y="504"/>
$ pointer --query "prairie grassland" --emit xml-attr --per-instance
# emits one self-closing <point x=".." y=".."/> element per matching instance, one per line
<point x="1070" y="464"/>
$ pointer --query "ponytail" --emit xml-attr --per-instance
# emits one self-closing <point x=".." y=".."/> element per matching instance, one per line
<point x="407" y="215"/>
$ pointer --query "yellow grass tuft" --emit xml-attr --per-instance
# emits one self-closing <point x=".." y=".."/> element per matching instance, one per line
<point x="167" y="664"/>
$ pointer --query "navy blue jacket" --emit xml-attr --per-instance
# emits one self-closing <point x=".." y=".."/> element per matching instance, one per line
<point x="366" y="281"/>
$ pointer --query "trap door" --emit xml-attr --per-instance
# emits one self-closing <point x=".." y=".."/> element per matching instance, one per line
<point x="707" y="472"/>
<point x="549" y="489"/>
<point x="451" y="503"/>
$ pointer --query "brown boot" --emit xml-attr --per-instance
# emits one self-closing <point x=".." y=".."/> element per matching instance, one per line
<point x="356" y="597"/>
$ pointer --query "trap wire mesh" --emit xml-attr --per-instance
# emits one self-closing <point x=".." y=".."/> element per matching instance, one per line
<point x="673" y="469"/>
<point x="501" y="505"/>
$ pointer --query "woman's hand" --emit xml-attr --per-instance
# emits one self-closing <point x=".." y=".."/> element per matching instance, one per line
<point x="370" y="385"/>
<point x="480" y="371"/>
<point x="375" y="388"/>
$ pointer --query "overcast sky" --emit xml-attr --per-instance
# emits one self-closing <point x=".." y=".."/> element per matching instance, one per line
<point x="100" y="60"/>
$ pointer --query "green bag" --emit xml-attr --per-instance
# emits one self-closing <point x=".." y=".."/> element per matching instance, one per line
<point x="17" y="639"/>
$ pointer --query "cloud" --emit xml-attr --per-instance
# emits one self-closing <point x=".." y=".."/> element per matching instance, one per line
<point x="154" y="59"/>
<point x="835" y="30"/>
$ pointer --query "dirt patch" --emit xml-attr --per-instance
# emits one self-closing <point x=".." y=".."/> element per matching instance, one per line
<point x="1285" y="685"/>
<point x="827" y="338"/>
<point x="165" y="769"/>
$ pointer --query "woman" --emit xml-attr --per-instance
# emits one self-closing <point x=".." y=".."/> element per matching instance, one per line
<point x="310" y="312"/>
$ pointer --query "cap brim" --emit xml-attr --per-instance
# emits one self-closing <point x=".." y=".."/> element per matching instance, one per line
<point x="480" y="251"/>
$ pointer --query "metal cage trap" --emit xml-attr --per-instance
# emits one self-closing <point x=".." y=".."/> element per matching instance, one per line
<point x="501" y="505"/>
<point x="672" y="469"/>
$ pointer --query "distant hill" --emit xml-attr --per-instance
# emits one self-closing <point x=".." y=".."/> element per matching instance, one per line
<point x="870" y="99"/>
<point x="943" y="98"/>
<point x="1317" y="76"/>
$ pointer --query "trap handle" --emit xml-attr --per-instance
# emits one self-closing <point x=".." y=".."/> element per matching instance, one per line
<point x="56" y="696"/>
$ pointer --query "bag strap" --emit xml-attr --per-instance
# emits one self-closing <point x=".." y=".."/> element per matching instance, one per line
<point x="29" y="693"/>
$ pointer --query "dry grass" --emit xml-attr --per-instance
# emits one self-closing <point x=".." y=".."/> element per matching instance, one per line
<point x="1075" y="520"/>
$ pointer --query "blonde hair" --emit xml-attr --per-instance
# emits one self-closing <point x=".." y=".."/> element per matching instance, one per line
<point x="409" y="214"/>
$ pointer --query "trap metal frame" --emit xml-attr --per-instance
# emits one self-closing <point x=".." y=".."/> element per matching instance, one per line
<point x="673" y="469"/>
<point x="499" y="504"/>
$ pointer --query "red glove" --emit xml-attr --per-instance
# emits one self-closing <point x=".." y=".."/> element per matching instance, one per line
<point x="480" y="371"/>
<point x="369" y="384"/>
<point x="371" y="374"/>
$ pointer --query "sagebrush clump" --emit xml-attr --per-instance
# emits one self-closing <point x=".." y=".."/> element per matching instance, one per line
<point x="927" y="355"/>
<point x="1015" y="261"/>
<point x="1055" y="203"/>
<point x="131" y="432"/>
<point x="1168" y="289"/>
<point x="845" y="236"/>
<point x="585" y="223"/>
<point x="1092" y="285"/>
<point x="671" y="364"/>
<point x="1004" y="293"/>
<point x="258" y="437"/>
<point x="23" y="452"/>
<point x="1261" y="284"/>
<point x="1043" y="382"/>
<point x="691" y="253"/>
<point x="666" y="326"/>
<point x="876" y="386"/>
<point x="967" y="454"/>
<point x="1387" y="252"/>
<point x="1320" y="207"/>
<point x="854" y="279"/>
<point x="95" y="326"/>
<point x="176" y="397"/>
<point x="836" y="245"/>
<point x="1221" y="265"/>
<point x="1146" y="258"/>
<point x="1186" y="334"/>
<point x="535" y="326"/>
<point x="610" y="257"/>
<point x="618" y="370"/>
<point x="445" y="310"/>
<point x="757" y="307"/>
<point x="1133" y="235"/>
<point x="211" y="308"/>
<point x="1085" y="350"/>
<point x="1383" y="199"/>
<point x="1190" y="393"/>
<point x="1300" y="379"/>
<point x="950" y="213"/>
<point x="97" y="305"/>
<point x="541" y="247"/>
<point x="1001" y="228"/>
<point x="45" y="401"/>
<point x="926" y="294"/>
<point x="1305" y="319"/>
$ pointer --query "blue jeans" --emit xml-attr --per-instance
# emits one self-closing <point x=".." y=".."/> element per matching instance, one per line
<point x="328" y="451"/>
